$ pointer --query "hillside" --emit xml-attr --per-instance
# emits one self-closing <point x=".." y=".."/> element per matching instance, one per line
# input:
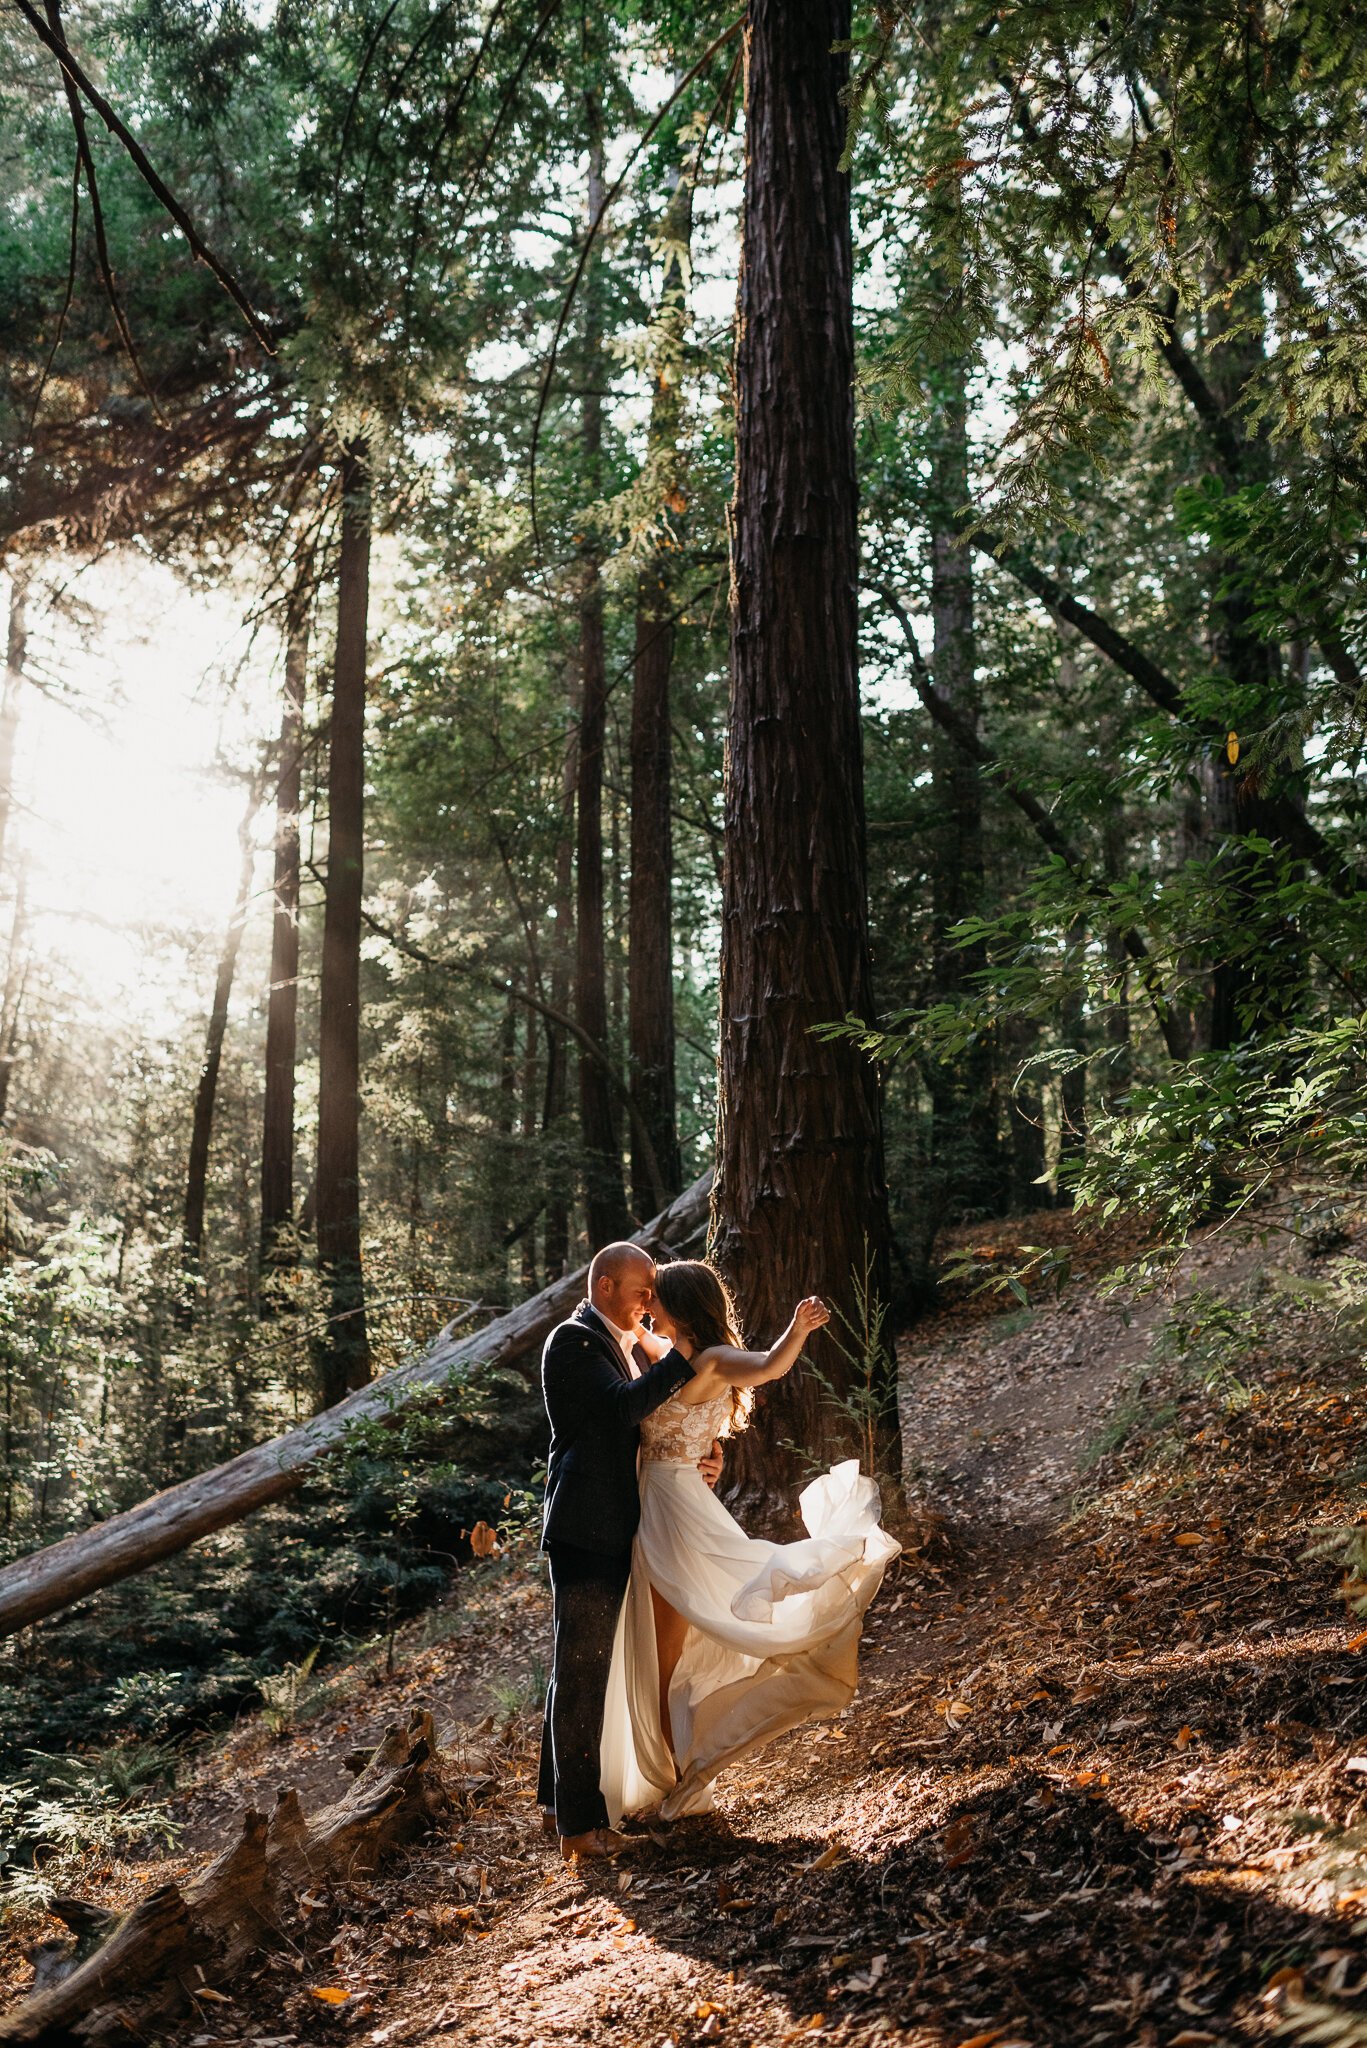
<point x="1101" y="1782"/>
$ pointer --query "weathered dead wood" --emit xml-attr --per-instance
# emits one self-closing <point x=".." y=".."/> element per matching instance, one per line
<point x="48" y="1580"/>
<point x="152" y="1962"/>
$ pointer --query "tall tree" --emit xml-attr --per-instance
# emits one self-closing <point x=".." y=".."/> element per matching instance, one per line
<point x="800" y="1202"/>
<point x="282" y="1003"/>
<point x="344" y="1351"/>
<point x="16" y="651"/>
<point x="557" y="1239"/>
<point x="206" y="1091"/>
<point x="17" y="964"/>
<point x="604" y="1191"/>
<point x="657" y="1172"/>
<point x="963" y="1112"/>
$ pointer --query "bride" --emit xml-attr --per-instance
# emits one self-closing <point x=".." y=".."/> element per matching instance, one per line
<point x="726" y="1640"/>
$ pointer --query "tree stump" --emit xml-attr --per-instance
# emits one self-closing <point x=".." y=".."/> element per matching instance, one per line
<point x="125" y="1974"/>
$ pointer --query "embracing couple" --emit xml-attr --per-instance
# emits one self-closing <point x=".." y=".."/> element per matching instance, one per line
<point x="680" y="1643"/>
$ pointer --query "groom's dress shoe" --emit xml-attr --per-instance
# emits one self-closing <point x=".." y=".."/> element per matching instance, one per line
<point x="548" y="1826"/>
<point x="597" y="1844"/>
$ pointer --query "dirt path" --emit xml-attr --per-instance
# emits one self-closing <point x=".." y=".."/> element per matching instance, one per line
<point x="997" y="1416"/>
<point x="1063" y="1809"/>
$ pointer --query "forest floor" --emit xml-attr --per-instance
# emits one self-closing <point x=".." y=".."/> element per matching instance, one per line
<point x="1103" y="1780"/>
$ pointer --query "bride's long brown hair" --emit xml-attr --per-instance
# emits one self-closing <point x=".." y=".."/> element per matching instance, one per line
<point x="694" y="1295"/>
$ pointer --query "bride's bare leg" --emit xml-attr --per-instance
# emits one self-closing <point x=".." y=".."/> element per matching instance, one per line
<point x="670" y="1630"/>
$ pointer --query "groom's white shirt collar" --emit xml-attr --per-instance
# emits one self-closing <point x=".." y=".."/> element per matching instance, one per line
<point x="626" y="1343"/>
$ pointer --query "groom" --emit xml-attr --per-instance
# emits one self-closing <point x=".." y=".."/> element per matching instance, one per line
<point x="599" y="1386"/>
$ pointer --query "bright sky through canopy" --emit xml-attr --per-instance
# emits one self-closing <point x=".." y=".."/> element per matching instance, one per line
<point x="129" y="781"/>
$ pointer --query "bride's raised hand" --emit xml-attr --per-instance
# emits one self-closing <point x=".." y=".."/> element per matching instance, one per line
<point x="810" y="1314"/>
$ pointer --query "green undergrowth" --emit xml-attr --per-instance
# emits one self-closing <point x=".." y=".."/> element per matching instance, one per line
<point x="97" y="1704"/>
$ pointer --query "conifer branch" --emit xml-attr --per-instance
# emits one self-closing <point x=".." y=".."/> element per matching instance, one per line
<point x="156" y="184"/>
<point x="952" y="722"/>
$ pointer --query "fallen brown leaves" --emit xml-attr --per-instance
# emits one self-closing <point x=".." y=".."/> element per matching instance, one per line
<point x="1069" y="1805"/>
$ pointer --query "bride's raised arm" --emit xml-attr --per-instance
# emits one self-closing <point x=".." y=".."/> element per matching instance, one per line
<point x="756" y="1368"/>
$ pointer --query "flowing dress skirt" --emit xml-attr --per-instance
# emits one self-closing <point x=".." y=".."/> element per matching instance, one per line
<point x="772" y="1639"/>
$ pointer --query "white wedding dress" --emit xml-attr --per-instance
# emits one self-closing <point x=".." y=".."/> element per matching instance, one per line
<point x="773" y="1636"/>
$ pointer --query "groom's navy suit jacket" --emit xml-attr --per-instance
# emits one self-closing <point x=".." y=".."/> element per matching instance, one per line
<point x="596" y="1410"/>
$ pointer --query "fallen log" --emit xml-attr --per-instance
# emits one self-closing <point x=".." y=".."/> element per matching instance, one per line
<point x="186" y="1941"/>
<point x="48" y="1580"/>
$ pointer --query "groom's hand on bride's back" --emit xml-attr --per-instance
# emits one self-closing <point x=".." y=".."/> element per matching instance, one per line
<point x="711" y="1465"/>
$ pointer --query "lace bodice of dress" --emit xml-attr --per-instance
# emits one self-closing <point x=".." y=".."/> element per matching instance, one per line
<point x="679" y="1432"/>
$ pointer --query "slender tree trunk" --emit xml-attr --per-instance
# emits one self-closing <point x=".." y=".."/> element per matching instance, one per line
<point x="282" y="1007"/>
<point x="530" y="1086"/>
<point x="651" y="911"/>
<point x="800" y="1165"/>
<point x="557" y="1048"/>
<point x="964" y="1158"/>
<point x="1025" y="1119"/>
<point x="505" y="1118"/>
<point x="344" y="1354"/>
<point x="206" y="1094"/>
<point x="12" y="1001"/>
<point x="1249" y="993"/>
<point x="1072" y="1085"/>
<point x="16" y="965"/>
<point x="605" y="1193"/>
<point x="1119" y="1065"/>
<point x="16" y="650"/>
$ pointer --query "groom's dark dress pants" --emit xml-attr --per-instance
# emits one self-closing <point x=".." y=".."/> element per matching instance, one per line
<point x="587" y="1589"/>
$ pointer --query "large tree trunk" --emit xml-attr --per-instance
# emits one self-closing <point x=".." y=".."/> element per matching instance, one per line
<point x="344" y="1353"/>
<point x="282" y="1006"/>
<point x="51" y="1579"/>
<point x="604" y="1190"/>
<point x="206" y="1094"/>
<point x="800" y="1168"/>
<point x="651" y="910"/>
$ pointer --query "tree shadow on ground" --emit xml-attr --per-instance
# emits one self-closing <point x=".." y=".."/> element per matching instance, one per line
<point x="1026" y="1905"/>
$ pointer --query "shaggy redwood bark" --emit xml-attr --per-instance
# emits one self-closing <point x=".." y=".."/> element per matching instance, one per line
<point x="206" y="1094"/>
<point x="800" y="1163"/>
<point x="282" y="1007"/>
<point x="604" y="1189"/>
<point x="650" y="965"/>
<point x="344" y="1354"/>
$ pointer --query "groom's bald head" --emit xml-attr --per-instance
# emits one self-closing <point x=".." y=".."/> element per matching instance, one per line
<point x="617" y="1261"/>
<point x="621" y="1281"/>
